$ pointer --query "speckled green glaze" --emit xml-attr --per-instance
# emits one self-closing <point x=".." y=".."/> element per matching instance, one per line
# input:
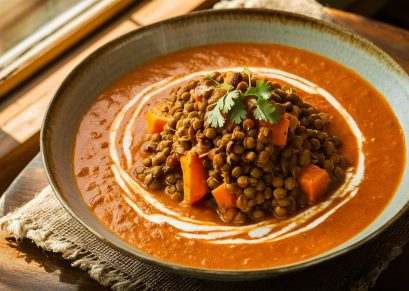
<point x="107" y="64"/>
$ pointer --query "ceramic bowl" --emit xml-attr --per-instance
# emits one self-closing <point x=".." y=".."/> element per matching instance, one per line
<point x="104" y="66"/>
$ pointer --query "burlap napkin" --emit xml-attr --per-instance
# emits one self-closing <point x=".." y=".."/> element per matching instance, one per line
<point x="47" y="224"/>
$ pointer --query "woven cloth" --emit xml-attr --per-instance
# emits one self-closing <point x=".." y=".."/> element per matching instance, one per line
<point x="44" y="221"/>
<point x="48" y="224"/>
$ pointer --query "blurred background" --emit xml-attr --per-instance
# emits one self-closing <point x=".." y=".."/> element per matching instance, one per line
<point x="25" y="23"/>
<point x="21" y="18"/>
<point x="395" y="12"/>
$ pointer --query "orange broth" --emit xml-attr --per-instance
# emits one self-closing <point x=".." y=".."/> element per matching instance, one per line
<point x="383" y="148"/>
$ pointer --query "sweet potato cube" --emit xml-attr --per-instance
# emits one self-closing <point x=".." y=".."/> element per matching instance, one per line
<point x="154" y="121"/>
<point x="227" y="78"/>
<point x="280" y="131"/>
<point x="223" y="197"/>
<point x="314" y="183"/>
<point x="194" y="178"/>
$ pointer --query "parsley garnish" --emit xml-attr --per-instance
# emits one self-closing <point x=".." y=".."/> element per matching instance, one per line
<point x="232" y="103"/>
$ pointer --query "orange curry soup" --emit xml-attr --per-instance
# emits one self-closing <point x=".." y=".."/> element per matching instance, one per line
<point x="175" y="238"/>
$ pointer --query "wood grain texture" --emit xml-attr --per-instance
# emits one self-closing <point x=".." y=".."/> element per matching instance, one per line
<point x="24" y="266"/>
<point x="6" y="142"/>
<point x="21" y="118"/>
<point x="392" y="39"/>
<point x="56" y="47"/>
<point x="154" y="11"/>
<point x="12" y="162"/>
<point x="30" y="181"/>
<point x="35" y="269"/>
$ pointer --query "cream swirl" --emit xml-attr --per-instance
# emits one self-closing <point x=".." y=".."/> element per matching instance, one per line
<point x="268" y="230"/>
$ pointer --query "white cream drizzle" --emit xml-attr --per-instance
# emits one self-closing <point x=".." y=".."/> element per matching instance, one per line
<point x="269" y="230"/>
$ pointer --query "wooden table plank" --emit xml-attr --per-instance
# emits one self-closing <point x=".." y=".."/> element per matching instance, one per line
<point x="392" y="39"/>
<point x="43" y="52"/>
<point x="22" y="119"/>
<point x="32" y="267"/>
<point x="154" y="11"/>
<point x="14" y="158"/>
<point x="33" y="175"/>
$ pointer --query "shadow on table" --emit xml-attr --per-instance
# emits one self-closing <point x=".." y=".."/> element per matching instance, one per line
<point x="51" y="263"/>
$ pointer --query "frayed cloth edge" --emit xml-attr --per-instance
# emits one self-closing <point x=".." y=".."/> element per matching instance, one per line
<point x="19" y="228"/>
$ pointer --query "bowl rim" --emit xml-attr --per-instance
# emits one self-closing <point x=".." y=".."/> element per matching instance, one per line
<point x="216" y="274"/>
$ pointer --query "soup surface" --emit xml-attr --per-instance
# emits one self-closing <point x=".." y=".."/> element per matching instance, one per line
<point x="110" y="136"/>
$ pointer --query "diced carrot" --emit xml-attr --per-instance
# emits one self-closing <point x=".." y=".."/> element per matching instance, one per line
<point x="227" y="77"/>
<point x="280" y="130"/>
<point x="194" y="177"/>
<point x="313" y="182"/>
<point x="154" y="121"/>
<point x="197" y="97"/>
<point x="223" y="197"/>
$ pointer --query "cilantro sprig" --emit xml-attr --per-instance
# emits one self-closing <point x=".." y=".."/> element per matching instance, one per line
<point x="233" y="103"/>
<point x="218" y="85"/>
<point x="262" y="90"/>
<point x="228" y="103"/>
<point x="266" y="111"/>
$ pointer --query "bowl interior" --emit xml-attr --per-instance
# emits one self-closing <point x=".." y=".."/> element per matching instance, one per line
<point x="103" y="67"/>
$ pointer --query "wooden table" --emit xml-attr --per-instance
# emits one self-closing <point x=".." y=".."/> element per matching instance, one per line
<point x="27" y="267"/>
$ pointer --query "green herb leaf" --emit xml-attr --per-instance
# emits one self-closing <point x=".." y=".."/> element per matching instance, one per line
<point x="229" y="100"/>
<point x="262" y="90"/>
<point x="225" y="104"/>
<point x="232" y="103"/>
<point x="225" y="86"/>
<point x="248" y="72"/>
<point x="208" y="77"/>
<point x="238" y="113"/>
<point x="214" y="116"/>
<point x="266" y="111"/>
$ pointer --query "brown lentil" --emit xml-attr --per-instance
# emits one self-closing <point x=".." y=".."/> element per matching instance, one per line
<point x="279" y="193"/>
<point x="236" y="172"/>
<point x="243" y="181"/>
<point x="261" y="175"/>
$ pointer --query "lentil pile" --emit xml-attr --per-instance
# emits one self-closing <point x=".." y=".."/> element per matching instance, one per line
<point x="262" y="176"/>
